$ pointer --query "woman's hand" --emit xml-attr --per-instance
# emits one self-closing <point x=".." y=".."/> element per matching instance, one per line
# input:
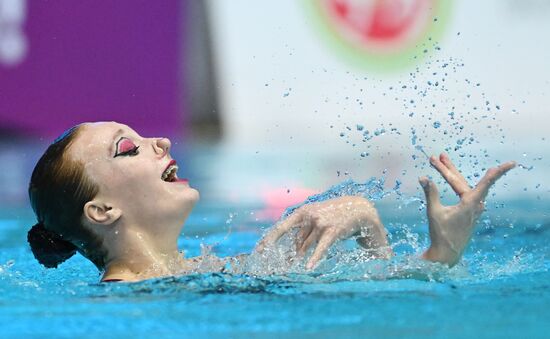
<point x="451" y="226"/>
<point x="324" y="223"/>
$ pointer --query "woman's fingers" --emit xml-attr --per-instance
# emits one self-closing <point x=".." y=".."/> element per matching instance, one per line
<point x="327" y="239"/>
<point x="444" y="158"/>
<point x="281" y="228"/>
<point x="492" y="175"/>
<point x="431" y="192"/>
<point x="312" y="238"/>
<point x="449" y="172"/>
<point x="302" y="236"/>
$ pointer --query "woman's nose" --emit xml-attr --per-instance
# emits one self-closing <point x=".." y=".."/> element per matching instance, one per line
<point x="162" y="145"/>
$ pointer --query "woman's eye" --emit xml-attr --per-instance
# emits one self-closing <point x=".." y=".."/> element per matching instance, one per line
<point x="126" y="147"/>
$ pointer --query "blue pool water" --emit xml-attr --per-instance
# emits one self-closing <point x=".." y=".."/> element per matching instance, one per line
<point x="501" y="288"/>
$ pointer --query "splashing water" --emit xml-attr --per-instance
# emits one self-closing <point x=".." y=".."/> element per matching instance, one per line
<point x="372" y="189"/>
<point x="346" y="261"/>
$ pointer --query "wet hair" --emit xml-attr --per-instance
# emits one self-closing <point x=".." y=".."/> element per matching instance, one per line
<point x="58" y="191"/>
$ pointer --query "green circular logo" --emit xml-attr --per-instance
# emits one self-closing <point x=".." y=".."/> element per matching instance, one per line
<point x="381" y="35"/>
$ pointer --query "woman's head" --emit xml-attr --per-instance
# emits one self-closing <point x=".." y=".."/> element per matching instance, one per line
<point x="58" y="189"/>
<point x="97" y="183"/>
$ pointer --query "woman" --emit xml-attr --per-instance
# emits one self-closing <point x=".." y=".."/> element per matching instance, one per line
<point x="104" y="191"/>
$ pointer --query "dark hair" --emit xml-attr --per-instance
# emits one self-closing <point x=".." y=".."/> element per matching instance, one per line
<point x="48" y="247"/>
<point x="58" y="191"/>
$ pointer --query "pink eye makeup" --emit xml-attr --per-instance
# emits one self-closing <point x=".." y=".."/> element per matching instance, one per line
<point x="125" y="146"/>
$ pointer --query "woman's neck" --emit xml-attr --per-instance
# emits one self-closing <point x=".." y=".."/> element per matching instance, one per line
<point x="135" y="270"/>
<point x="136" y="257"/>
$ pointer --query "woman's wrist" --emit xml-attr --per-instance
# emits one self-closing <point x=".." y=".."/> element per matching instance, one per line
<point x="443" y="255"/>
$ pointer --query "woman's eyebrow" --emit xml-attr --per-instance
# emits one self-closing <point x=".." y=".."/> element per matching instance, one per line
<point x="112" y="149"/>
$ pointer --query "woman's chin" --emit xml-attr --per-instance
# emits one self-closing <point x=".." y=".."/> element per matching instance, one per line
<point x="194" y="195"/>
<point x="189" y="200"/>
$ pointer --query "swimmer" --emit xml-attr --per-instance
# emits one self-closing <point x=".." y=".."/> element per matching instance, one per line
<point x="113" y="196"/>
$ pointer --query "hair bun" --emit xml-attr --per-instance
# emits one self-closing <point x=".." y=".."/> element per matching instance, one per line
<point x="48" y="247"/>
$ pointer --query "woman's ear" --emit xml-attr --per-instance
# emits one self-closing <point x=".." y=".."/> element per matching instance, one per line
<point x="97" y="212"/>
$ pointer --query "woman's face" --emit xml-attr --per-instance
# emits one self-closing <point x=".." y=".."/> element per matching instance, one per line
<point x="131" y="172"/>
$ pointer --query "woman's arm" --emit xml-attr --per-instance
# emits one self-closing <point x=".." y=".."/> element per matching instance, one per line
<point x="322" y="224"/>
<point x="450" y="226"/>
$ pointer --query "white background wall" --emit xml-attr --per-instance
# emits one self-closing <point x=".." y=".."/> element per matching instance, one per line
<point x="282" y="87"/>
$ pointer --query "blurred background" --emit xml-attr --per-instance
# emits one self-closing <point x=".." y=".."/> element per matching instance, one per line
<point x="267" y="102"/>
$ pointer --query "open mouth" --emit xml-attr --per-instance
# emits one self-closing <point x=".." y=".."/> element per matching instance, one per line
<point x="170" y="173"/>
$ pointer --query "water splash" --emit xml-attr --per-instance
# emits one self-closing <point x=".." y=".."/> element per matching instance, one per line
<point x="525" y="167"/>
<point x="372" y="189"/>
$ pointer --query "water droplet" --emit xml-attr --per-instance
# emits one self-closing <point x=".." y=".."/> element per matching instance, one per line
<point x="528" y="168"/>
